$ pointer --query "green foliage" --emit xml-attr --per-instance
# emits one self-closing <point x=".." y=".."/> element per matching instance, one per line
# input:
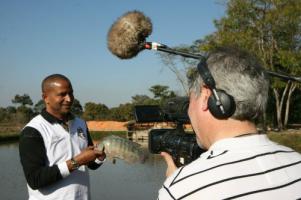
<point x="98" y="135"/>
<point x="3" y="115"/>
<point x="269" y="29"/>
<point x="161" y="93"/>
<point x="123" y="113"/>
<point x="11" y="110"/>
<point x="143" y="100"/>
<point x="295" y="117"/>
<point x="24" y="114"/>
<point x="77" y="108"/>
<point x="22" y="99"/>
<point x="95" y="111"/>
<point x="92" y="111"/>
<point x="39" y="106"/>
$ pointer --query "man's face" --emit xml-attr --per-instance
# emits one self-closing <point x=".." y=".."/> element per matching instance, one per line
<point x="194" y="112"/>
<point x="59" y="98"/>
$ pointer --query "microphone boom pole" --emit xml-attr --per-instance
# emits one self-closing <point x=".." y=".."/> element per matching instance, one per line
<point x="164" y="48"/>
<point x="161" y="47"/>
<point x="283" y="76"/>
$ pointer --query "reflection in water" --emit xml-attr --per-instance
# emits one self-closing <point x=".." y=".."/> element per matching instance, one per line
<point x="109" y="182"/>
<point x="12" y="180"/>
<point x="129" y="181"/>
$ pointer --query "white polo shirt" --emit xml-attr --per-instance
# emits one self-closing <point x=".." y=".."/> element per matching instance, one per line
<point x="62" y="145"/>
<point x="250" y="167"/>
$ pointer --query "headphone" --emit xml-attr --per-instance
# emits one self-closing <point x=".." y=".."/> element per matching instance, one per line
<point x="221" y="105"/>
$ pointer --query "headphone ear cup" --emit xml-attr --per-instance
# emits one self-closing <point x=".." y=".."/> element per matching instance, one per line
<point x="228" y="104"/>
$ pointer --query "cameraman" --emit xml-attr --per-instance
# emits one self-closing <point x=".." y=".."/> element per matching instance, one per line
<point x="239" y="162"/>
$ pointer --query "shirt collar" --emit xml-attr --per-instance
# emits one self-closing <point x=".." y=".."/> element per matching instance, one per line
<point x="240" y="142"/>
<point x="52" y="119"/>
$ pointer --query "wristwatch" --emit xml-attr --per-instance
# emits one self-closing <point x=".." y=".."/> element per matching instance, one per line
<point x="74" y="164"/>
<point x="99" y="161"/>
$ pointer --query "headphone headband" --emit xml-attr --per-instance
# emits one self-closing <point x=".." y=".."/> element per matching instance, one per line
<point x="221" y="105"/>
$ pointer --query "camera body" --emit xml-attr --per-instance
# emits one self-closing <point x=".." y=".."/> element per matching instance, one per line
<point x="181" y="145"/>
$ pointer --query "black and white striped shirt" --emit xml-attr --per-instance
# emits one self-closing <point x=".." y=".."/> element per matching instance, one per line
<point x="251" y="167"/>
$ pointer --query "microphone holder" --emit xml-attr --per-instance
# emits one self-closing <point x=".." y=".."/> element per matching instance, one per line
<point x="164" y="48"/>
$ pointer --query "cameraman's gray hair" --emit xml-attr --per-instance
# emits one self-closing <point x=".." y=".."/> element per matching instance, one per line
<point x="239" y="74"/>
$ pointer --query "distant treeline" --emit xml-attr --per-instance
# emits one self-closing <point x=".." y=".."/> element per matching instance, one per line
<point x="24" y="108"/>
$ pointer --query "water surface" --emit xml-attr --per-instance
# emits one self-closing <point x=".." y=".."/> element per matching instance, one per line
<point x="109" y="182"/>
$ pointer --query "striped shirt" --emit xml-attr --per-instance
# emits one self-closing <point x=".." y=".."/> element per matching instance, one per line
<point x="250" y="167"/>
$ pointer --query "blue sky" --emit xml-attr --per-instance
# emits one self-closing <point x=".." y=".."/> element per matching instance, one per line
<point x="42" y="37"/>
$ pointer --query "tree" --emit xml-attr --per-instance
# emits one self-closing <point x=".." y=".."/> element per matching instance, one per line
<point x="162" y="92"/>
<point x="39" y="106"/>
<point x="24" y="114"/>
<point x="77" y="108"/>
<point x="124" y="112"/>
<point x="22" y="99"/>
<point x="143" y="100"/>
<point x="95" y="111"/>
<point x="3" y="114"/>
<point x="272" y="31"/>
<point x="11" y="110"/>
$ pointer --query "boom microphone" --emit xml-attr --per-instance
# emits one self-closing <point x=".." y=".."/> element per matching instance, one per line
<point x="127" y="37"/>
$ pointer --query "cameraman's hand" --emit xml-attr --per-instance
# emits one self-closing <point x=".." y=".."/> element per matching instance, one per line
<point x="171" y="166"/>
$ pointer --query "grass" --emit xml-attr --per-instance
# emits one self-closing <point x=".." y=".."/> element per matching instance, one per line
<point x="9" y="137"/>
<point x="292" y="140"/>
<point x="98" y="135"/>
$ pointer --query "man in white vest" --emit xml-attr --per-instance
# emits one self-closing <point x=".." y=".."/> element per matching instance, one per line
<point x="56" y="148"/>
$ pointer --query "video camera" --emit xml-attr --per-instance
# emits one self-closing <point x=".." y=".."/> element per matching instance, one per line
<point x="181" y="145"/>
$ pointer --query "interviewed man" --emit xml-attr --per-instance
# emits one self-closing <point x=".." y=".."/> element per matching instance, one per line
<point x="55" y="147"/>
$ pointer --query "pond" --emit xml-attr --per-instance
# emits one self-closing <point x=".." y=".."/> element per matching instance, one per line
<point x="109" y="182"/>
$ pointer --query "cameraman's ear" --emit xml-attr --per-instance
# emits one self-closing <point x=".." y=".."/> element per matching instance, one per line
<point x="205" y="94"/>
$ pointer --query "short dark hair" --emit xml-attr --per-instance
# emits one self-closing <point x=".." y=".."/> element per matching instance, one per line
<point x="52" y="78"/>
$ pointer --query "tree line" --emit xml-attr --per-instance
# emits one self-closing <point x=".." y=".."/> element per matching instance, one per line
<point x="270" y="29"/>
<point x="24" y="109"/>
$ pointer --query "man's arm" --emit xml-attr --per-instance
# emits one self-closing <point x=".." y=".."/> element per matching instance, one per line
<point x="33" y="159"/>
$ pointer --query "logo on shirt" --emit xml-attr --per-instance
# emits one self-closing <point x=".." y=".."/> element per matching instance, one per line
<point x="80" y="133"/>
<point x="214" y="156"/>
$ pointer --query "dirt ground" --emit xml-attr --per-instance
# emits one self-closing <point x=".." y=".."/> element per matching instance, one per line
<point x="106" y="126"/>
